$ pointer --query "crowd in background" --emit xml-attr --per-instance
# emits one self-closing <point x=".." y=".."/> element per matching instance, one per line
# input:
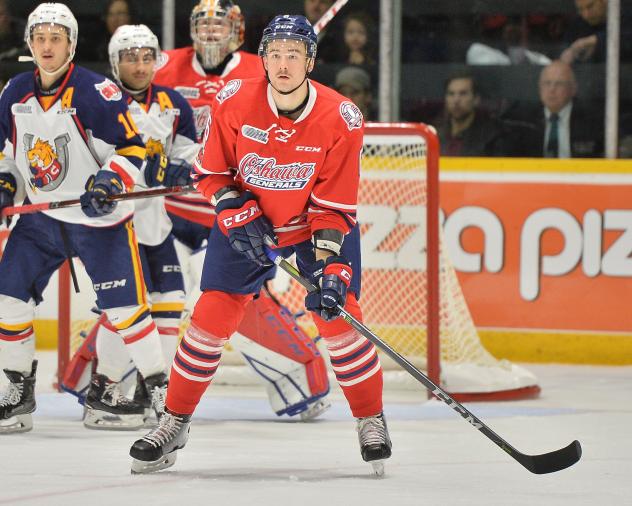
<point x="494" y="84"/>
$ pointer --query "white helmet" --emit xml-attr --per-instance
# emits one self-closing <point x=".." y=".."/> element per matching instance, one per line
<point x="53" y="14"/>
<point x="212" y="52"/>
<point x="130" y="37"/>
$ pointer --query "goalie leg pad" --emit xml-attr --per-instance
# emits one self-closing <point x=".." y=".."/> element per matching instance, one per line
<point x="284" y="358"/>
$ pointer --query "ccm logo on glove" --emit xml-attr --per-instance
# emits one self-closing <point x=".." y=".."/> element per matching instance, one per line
<point x="239" y="217"/>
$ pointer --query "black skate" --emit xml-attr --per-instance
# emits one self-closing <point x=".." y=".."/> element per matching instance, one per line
<point x="108" y="409"/>
<point x="375" y="443"/>
<point x="141" y="396"/>
<point x="18" y="402"/>
<point x="151" y="392"/>
<point x="158" y="449"/>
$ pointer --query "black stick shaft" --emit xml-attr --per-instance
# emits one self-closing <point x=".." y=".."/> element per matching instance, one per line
<point x="539" y="464"/>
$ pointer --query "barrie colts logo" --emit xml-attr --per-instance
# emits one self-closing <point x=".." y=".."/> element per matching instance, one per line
<point x="265" y="173"/>
<point x="48" y="162"/>
<point x="351" y="114"/>
<point x="228" y="91"/>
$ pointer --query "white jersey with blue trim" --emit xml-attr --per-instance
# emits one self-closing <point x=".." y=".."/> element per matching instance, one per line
<point x="55" y="143"/>
<point x="165" y="122"/>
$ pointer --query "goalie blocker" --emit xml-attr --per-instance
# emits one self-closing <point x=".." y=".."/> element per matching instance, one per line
<point x="286" y="361"/>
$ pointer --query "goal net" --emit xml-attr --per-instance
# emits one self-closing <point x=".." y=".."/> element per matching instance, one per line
<point x="410" y="297"/>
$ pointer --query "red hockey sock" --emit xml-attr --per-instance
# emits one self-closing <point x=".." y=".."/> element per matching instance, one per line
<point x="215" y="318"/>
<point x="355" y="362"/>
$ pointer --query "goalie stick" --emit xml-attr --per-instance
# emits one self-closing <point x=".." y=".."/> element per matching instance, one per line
<point x="60" y="204"/>
<point x="537" y="464"/>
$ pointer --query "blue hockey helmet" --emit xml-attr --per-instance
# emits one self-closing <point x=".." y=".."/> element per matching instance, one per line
<point x="290" y="27"/>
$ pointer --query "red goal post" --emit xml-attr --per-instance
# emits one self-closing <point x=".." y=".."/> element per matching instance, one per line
<point x="410" y="293"/>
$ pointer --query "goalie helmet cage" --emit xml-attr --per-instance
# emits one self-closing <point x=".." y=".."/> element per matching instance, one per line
<point x="411" y="295"/>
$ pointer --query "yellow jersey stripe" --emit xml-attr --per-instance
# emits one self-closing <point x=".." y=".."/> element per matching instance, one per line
<point x="136" y="151"/>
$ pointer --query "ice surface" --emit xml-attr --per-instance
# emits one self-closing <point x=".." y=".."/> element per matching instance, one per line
<point x="240" y="453"/>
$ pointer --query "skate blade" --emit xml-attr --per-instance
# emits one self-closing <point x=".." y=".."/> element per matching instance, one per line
<point x="378" y="468"/>
<point x="15" y="424"/>
<point x="142" y="467"/>
<point x="102" y="420"/>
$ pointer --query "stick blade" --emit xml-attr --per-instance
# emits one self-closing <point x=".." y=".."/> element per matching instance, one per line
<point x="553" y="461"/>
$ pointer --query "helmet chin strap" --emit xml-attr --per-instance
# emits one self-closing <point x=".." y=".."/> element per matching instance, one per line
<point x="132" y="91"/>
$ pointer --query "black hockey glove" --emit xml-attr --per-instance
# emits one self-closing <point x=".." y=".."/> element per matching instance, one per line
<point x="333" y="278"/>
<point x="242" y="221"/>
<point x="94" y="201"/>
<point x="8" y="187"/>
<point x="160" y="171"/>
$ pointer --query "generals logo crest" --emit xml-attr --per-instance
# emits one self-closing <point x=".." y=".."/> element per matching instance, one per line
<point x="109" y="91"/>
<point x="228" y="91"/>
<point x="48" y="163"/>
<point x="351" y="114"/>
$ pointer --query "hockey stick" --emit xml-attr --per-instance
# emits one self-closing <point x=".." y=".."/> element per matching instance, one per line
<point x="538" y="464"/>
<point x="60" y="204"/>
<point x="329" y="15"/>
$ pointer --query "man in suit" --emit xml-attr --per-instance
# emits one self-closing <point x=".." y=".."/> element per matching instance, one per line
<point x="567" y="130"/>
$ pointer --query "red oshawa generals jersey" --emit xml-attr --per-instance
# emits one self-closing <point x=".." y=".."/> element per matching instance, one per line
<point x="304" y="173"/>
<point x="180" y="69"/>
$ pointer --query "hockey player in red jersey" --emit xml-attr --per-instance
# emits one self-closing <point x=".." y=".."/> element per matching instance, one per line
<point x="66" y="133"/>
<point x="281" y="162"/>
<point x="198" y="72"/>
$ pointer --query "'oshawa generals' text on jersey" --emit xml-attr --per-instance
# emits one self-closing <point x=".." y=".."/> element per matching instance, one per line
<point x="53" y="144"/>
<point x="165" y="122"/>
<point x="180" y="69"/>
<point x="304" y="173"/>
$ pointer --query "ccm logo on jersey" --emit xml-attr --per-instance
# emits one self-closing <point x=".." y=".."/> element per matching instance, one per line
<point x="171" y="268"/>
<point x="109" y="91"/>
<point x="309" y="149"/>
<point x="108" y="285"/>
<point x="237" y="219"/>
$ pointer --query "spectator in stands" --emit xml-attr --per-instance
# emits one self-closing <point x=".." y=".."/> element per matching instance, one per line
<point x="566" y="128"/>
<point x="11" y="34"/>
<point x="585" y="37"/>
<point x="464" y="129"/>
<point x="504" y="41"/>
<point x="314" y="10"/>
<point x="117" y="13"/>
<point x="355" y="84"/>
<point x="359" y="38"/>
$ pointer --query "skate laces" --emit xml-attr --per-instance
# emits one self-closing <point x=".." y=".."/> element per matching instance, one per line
<point x="13" y="395"/>
<point x="158" y="397"/>
<point x="372" y="431"/>
<point x="168" y="428"/>
<point x="117" y="398"/>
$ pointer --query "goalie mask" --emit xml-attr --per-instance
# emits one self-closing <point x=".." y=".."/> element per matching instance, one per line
<point x="47" y="16"/>
<point x="128" y="42"/>
<point x="217" y="29"/>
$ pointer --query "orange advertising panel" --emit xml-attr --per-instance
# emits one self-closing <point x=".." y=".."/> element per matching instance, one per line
<point x="542" y="255"/>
